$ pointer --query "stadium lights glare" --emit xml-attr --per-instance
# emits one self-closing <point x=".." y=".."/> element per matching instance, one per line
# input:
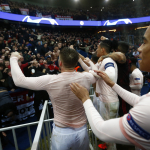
<point x="101" y="9"/>
<point x="87" y="10"/>
<point x="142" y="27"/>
<point x="107" y="0"/>
<point x="90" y="7"/>
<point x="76" y="0"/>
<point x="113" y="30"/>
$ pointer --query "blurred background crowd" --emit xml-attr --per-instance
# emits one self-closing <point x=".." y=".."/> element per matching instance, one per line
<point x="112" y="11"/>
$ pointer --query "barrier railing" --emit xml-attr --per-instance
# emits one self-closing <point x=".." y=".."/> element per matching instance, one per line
<point x="40" y="132"/>
<point x="42" y="138"/>
<point x="13" y="128"/>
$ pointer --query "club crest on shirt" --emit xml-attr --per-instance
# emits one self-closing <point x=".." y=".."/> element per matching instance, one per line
<point x="129" y="117"/>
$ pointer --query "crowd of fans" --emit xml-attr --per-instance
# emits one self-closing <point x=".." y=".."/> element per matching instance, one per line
<point x="131" y="36"/>
<point x="40" y="49"/>
<point x="116" y="11"/>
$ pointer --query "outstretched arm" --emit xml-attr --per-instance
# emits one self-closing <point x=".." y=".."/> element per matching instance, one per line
<point x="33" y="83"/>
<point x="108" y="131"/>
<point x="136" y="87"/>
<point x="83" y="65"/>
<point x="129" y="97"/>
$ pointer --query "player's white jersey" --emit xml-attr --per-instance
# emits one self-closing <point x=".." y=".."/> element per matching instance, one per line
<point x="136" y="81"/>
<point x="106" y="93"/>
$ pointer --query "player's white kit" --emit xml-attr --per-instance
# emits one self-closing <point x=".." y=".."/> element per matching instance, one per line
<point x="109" y="99"/>
<point x="136" y="81"/>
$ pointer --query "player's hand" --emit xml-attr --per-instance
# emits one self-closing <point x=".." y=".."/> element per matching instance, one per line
<point x="87" y="60"/>
<point x="103" y="38"/>
<point x="81" y="92"/>
<point x="15" y="54"/>
<point x="105" y="77"/>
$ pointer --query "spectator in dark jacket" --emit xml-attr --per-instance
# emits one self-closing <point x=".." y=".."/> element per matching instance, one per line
<point x="11" y="86"/>
<point x="39" y="47"/>
<point x="44" y="50"/>
<point x="40" y="96"/>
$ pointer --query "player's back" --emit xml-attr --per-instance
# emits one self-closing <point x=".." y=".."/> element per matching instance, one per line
<point x="68" y="109"/>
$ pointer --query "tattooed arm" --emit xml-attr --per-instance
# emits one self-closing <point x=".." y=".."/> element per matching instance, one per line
<point x="116" y="56"/>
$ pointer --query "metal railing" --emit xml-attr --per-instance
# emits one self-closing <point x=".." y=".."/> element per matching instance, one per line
<point x="42" y="138"/>
<point x="43" y="130"/>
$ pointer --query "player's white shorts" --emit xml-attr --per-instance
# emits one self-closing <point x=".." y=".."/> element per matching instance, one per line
<point x="109" y="110"/>
<point x="70" y="138"/>
<point x="96" y="102"/>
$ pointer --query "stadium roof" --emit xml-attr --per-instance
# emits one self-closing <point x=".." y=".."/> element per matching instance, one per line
<point x="81" y="4"/>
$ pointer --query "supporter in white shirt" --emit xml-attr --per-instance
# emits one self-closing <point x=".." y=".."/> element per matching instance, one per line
<point x="136" y="54"/>
<point x="69" y="129"/>
<point x="136" y="78"/>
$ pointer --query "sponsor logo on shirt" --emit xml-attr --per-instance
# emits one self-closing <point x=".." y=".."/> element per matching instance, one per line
<point x="137" y="78"/>
<point x="109" y="65"/>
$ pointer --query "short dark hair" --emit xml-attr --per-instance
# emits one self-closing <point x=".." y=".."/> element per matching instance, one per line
<point x="123" y="47"/>
<point x="95" y="58"/>
<point x="55" y="45"/>
<point x="106" y="45"/>
<point x="133" y="61"/>
<point x="69" y="57"/>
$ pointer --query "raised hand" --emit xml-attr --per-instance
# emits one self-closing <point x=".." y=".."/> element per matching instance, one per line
<point x="87" y="60"/>
<point x="15" y="54"/>
<point x="103" y="38"/>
